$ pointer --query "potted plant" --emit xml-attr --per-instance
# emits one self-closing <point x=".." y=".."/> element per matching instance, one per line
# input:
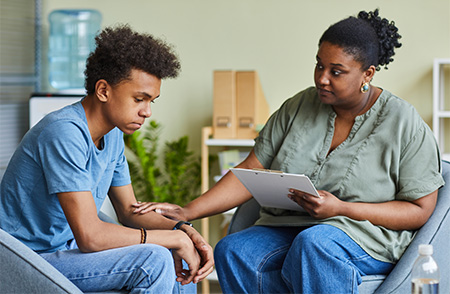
<point x="171" y="176"/>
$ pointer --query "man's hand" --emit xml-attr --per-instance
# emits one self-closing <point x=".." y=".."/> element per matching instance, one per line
<point x="168" y="210"/>
<point x="184" y="250"/>
<point x="204" y="250"/>
<point x="176" y="212"/>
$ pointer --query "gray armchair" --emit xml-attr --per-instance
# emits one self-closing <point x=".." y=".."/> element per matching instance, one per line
<point x="23" y="271"/>
<point x="436" y="232"/>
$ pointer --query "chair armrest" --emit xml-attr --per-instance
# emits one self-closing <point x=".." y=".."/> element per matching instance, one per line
<point x="436" y="232"/>
<point x="23" y="271"/>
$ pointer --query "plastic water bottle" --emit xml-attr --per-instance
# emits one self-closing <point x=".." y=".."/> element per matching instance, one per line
<point x="425" y="273"/>
<point x="71" y="39"/>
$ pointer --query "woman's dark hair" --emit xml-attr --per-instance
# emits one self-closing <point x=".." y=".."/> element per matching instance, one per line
<point x="370" y="39"/>
<point x="120" y="49"/>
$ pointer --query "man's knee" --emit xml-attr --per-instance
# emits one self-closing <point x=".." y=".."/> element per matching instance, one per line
<point x="156" y="267"/>
<point x="157" y="255"/>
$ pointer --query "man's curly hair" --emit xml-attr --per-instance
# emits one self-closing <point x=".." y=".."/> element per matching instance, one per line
<point x="370" y="39"/>
<point x="120" y="49"/>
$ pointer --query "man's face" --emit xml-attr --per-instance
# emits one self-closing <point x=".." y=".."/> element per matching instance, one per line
<point x="129" y="101"/>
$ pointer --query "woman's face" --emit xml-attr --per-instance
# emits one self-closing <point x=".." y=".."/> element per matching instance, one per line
<point x="338" y="77"/>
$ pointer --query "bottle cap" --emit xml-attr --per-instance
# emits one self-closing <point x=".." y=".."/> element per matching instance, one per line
<point x="425" y="249"/>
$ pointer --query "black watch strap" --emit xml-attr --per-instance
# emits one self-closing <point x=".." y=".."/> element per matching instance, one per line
<point x="180" y="223"/>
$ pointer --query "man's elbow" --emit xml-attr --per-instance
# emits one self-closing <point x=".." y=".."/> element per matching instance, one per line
<point x="125" y="220"/>
<point x="89" y="243"/>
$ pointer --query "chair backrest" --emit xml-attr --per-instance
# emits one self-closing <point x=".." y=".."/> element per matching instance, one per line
<point x="244" y="217"/>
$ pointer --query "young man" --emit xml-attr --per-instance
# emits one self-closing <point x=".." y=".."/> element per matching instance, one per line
<point x="65" y="166"/>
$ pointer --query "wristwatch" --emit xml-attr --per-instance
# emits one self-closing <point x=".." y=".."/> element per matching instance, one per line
<point x="180" y="223"/>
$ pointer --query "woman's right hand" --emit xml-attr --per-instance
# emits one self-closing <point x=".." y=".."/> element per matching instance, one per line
<point x="168" y="210"/>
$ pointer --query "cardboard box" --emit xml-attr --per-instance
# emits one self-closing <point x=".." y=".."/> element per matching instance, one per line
<point x="252" y="108"/>
<point x="224" y="105"/>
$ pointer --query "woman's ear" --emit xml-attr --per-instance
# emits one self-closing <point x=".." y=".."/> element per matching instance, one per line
<point x="369" y="73"/>
<point x="102" y="90"/>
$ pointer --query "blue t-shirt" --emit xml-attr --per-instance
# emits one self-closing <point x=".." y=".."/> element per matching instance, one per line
<point x="57" y="155"/>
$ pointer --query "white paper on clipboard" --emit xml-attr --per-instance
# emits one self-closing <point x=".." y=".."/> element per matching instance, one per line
<point x="271" y="188"/>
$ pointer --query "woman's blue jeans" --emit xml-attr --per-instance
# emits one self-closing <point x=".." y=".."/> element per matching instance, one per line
<point x="144" y="268"/>
<point x="318" y="259"/>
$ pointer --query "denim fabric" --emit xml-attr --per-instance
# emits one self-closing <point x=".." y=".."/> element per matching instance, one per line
<point x="144" y="268"/>
<point x="319" y="259"/>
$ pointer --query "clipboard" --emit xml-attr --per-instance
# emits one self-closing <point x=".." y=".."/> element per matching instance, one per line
<point x="270" y="188"/>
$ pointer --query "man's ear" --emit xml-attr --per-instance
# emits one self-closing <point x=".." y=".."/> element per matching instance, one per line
<point x="102" y="90"/>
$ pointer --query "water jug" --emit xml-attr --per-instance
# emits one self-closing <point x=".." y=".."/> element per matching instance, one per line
<point x="71" y="39"/>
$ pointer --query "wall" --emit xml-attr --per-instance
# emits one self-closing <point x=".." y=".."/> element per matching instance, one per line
<point x="17" y="79"/>
<point x="276" y="38"/>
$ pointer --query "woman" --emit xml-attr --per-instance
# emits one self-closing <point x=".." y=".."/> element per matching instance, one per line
<point x="375" y="162"/>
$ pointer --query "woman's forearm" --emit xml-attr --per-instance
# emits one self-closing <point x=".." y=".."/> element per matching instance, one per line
<point x="226" y="194"/>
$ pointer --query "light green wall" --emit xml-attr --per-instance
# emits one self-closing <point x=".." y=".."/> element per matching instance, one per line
<point x="278" y="38"/>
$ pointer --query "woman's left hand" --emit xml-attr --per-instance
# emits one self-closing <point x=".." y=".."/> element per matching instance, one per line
<point x="325" y="206"/>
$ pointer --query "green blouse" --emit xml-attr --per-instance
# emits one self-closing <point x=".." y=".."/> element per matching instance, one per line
<point x="390" y="154"/>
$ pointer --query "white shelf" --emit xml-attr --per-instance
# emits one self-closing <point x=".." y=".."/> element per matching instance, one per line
<point x="230" y="142"/>
<point x="440" y="104"/>
<point x="443" y="114"/>
<point x="208" y="142"/>
<point x="445" y="156"/>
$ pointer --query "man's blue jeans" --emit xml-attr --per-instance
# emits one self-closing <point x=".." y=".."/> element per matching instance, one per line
<point x="143" y="268"/>
<point x="318" y="259"/>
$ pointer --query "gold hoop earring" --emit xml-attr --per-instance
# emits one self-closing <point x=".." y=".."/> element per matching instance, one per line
<point x="365" y="87"/>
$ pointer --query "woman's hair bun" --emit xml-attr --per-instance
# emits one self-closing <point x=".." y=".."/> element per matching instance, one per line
<point x="387" y="33"/>
<point x="370" y="39"/>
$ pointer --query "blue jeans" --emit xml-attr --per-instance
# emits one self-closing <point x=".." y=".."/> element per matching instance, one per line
<point x="319" y="259"/>
<point x="143" y="268"/>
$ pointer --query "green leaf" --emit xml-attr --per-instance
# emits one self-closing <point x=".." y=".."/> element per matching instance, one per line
<point x="177" y="181"/>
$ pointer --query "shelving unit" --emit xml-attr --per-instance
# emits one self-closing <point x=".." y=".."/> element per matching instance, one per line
<point x="207" y="142"/>
<point x="441" y="105"/>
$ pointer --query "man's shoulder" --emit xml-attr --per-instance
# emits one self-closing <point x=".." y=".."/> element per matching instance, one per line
<point x="68" y="114"/>
<point x="66" y="122"/>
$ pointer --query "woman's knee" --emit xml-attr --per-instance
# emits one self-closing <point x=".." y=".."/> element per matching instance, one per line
<point x="315" y="237"/>
<point x="233" y="248"/>
<point x="235" y="244"/>
<point x="223" y="248"/>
